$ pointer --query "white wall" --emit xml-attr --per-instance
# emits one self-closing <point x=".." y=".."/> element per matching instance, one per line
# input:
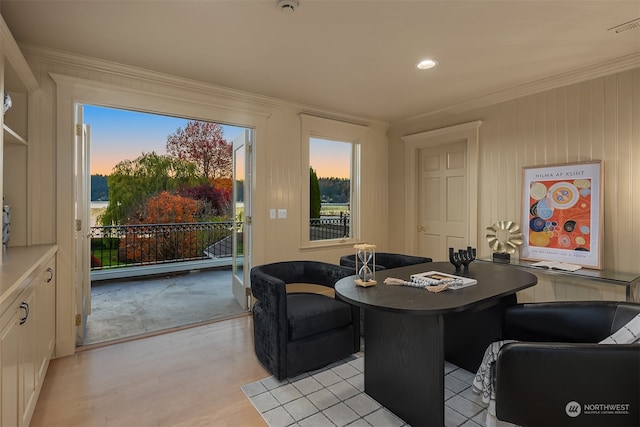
<point x="598" y="119"/>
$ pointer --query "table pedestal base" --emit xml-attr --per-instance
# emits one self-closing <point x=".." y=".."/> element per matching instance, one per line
<point x="404" y="365"/>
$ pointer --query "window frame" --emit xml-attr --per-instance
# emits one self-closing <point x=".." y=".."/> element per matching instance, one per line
<point x="334" y="130"/>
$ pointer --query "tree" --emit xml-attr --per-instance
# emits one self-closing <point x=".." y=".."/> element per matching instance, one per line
<point x="167" y="208"/>
<point x="211" y="201"/>
<point x="315" y="202"/>
<point x="335" y="190"/>
<point x="203" y="144"/>
<point x="158" y="243"/>
<point x="132" y="182"/>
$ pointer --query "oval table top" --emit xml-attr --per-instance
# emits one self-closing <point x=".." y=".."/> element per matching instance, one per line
<point x="494" y="281"/>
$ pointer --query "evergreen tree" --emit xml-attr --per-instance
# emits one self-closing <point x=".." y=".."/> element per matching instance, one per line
<point x="315" y="202"/>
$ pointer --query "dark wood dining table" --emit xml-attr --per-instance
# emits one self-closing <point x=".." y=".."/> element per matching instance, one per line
<point x="409" y="331"/>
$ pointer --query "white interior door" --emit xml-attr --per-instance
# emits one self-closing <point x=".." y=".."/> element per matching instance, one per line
<point x="442" y="200"/>
<point x="82" y="212"/>
<point x="241" y="234"/>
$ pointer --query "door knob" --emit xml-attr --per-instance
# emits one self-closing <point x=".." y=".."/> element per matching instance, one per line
<point x="421" y="228"/>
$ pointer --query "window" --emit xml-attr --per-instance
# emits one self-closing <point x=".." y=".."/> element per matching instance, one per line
<point x="331" y="159"/>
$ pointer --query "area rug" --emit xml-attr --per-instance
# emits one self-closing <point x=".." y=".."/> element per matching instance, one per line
<point x="334" y="396"/>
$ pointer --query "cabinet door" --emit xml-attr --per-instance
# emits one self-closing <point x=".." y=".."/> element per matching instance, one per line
<point x="9" y="373"/>
<point x="45" y="317"/>
<point x="27" y="357"/>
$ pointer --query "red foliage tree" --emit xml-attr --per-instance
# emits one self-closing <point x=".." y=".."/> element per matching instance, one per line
<point x="212" y="201"/>
<point x="203" y="144"/>
<point x="166" y="208"/>
<point x="222" y="183"/>
<point x="152" y="244"/>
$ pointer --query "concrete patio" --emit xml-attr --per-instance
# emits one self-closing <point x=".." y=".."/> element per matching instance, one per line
<point x="128" y="308"/>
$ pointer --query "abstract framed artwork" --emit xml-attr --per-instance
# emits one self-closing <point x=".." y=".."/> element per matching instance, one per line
<point x="562" y="210"/>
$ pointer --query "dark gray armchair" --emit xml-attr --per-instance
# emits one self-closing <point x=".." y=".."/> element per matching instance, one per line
<point x="298" y="332"/>
<point x="558" y="374"/>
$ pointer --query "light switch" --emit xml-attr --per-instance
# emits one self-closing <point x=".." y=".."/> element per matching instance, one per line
<point x="272" y="213"/>
<point x="282" y="213"/>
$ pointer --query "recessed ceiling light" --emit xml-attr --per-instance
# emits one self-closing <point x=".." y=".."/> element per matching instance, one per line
<point x="425" y="64"/>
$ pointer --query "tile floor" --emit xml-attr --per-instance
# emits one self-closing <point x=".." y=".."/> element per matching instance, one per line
<point x="334" y="396"/>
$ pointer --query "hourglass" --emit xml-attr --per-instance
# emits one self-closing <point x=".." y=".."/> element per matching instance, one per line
<point x="365" y="264"/>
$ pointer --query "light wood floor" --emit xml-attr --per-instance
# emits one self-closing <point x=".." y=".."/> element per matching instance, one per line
<point x="187" y="378"/>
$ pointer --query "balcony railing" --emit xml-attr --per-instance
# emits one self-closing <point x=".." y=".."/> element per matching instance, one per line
<point x="117" y="246"/>
<point x="148" y="244"/>
<point x="329" y="228"/>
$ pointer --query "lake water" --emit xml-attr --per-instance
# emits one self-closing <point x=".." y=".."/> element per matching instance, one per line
<point x="98" y="204"/>
<point x="96" y="209"/>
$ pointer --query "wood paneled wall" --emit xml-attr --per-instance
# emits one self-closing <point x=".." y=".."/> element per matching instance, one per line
<point x="597" y="119"/>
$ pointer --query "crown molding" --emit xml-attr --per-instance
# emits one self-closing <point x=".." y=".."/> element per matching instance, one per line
<point x="601" y="69"/>
<point x="98" y="65"/>
<point x="75" y="61"/>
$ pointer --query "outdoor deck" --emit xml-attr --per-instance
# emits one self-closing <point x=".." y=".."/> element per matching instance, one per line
<point x="137" y="306"/>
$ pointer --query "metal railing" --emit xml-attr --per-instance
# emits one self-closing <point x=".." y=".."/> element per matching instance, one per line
<point x="117" y="246"/>
<point x="147" y="244"/>
<point x="329" y="228"/>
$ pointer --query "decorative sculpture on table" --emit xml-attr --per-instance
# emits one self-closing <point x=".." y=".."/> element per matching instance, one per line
<point x="365" y="264"/>
<point x="504" y="237"/>
<point x="462" y="258"/>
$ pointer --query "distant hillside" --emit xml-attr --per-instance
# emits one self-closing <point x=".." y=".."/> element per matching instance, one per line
<point x="99" y="188"/>
<point x="335" y="190"/>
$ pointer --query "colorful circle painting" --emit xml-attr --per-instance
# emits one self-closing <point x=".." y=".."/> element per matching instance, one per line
<point x="539" y="238"/>
<point x="545" y="211"/>
<point x="563" y="195"/>
<point x="538" y="191"/>
<point x="560" y="213"/>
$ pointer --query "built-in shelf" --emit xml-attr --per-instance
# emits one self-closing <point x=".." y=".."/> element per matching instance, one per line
<point x="18" y="82"/>
<point x="12" y="137"/>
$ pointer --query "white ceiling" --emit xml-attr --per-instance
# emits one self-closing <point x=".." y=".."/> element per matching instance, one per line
<point x="352" y="56"/>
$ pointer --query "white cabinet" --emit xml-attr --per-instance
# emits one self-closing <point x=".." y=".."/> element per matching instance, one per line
<point x="45" y="318"/>
<point x="27" y="272"/>
<point x="9" y="368"/>
<point x="27" y="334"/>
<point x="27" y="357"/>
<point x="17" y="357"/>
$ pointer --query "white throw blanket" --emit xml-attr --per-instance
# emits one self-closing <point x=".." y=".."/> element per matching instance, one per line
<point x="628" y="334"/>
<point x="484" y="382"/>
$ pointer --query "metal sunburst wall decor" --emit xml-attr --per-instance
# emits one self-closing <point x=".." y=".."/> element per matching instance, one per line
<point x="504" y="237"/>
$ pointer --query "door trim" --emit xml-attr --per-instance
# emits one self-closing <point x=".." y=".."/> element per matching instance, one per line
<point x="241" y="285"/>
<point x="469" y="132"/>
<point x="157" y="97"/>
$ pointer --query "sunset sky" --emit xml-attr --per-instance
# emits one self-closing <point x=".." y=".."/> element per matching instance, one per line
<point x="118" y="135"/>
<point x="330" y="159"/>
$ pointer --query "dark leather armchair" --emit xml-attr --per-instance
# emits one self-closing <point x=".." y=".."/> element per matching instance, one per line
<point x="558" y="374"/>
<point x="298" y="332"/>
<point x="386" y="260"/>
